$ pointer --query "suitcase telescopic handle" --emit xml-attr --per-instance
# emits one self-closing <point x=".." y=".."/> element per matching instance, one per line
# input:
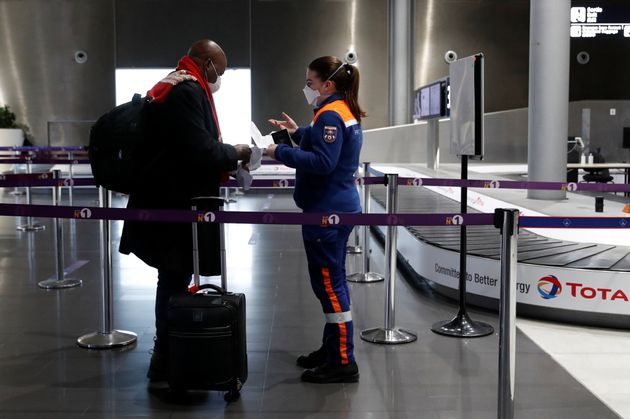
<point x="199" y="203"/>
<point x="213" y="287"/>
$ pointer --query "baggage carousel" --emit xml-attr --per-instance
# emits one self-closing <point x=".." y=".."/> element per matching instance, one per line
<point x="575" y="282"/>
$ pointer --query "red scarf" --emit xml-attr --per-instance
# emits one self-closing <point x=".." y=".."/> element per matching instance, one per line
<point x="160" y="91"/>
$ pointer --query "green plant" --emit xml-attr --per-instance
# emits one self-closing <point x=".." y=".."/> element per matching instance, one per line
<point x="7" y="118"/>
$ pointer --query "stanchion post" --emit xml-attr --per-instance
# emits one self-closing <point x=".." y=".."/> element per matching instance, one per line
<point x="365" y="275"/>
<point x="106" y="338"/>
<point x="223" y="253"/>
<point x="226" y="195"/>
<point x="29" y="226"/>
<point x="355" y="248"/>
<point x="71" y="176"/>
<point x="16" y="191"/>
<point x="462" y="326"/>
<point x="195" y="246"/>
<point x="106" y="251"/>
<point x="60" y="281"/>
<point x="507" y="221"/>
<point x="390" y="334"/>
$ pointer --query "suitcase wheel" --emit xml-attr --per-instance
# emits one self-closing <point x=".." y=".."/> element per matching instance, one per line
<point x="232" y="396"/>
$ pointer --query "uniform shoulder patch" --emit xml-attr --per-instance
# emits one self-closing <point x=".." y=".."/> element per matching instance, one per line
<point x="330" y="134"/>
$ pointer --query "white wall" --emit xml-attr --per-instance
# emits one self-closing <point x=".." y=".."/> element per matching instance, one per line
<point x="233" y="100"/>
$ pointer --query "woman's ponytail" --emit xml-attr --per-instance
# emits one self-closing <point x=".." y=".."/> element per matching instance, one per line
<point x="351" y="93"/>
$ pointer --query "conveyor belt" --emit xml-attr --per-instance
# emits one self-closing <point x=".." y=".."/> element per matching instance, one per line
<point x="484" y="240"/>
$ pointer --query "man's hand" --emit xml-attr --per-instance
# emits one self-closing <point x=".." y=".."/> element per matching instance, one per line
<point x="271" y="151"/>
<point x="177" y="77"/>
<point x="243" y="152"/>
<point x="288" y="123"/>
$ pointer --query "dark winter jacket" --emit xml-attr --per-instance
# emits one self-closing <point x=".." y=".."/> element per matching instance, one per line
<point x="186" y="160"/>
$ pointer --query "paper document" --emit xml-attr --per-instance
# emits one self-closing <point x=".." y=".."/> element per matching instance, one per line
<point x="261" y="141"/>
<point x="255" y="159"/>
<point x="244" y="178"/>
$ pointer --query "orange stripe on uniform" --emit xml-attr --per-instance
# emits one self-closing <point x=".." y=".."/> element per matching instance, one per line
<point x="343" y="343"/>
<point x="340" y="107"/>
<point x="343" y="332"/>
<point x="331" y="294"/>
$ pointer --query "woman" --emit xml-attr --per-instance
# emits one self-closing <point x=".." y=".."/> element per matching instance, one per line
<point x="325" y="163"/>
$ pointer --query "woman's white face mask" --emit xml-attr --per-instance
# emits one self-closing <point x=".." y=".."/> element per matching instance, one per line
<point x="311" y="95"/>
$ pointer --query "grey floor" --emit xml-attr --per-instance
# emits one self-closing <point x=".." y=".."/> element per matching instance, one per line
<point x="44" y="374"/>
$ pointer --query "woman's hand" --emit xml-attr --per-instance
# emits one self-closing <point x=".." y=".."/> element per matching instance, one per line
<point x="271" y="151"/>
<point x="288" y="123"/>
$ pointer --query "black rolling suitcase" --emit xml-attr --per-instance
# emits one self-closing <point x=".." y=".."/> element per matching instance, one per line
<point x="206" y="330"/>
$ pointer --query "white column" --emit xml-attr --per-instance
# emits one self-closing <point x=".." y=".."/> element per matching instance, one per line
<point x="548" y="94"/>
<point x="401" y="26"/>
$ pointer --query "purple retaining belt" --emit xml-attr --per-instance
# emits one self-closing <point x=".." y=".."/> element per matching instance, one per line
<point x="506" y="184"/>
<point x="41" y="179"/>
<point x="64" y="148"/>
<point x="241" y="217"/>
<point x="403" y="181"/>
<point x="263" y="183"/>
<point x="512" y="184"/>
<point x="293" y="218"/>
<point x="36" y="160"/>
<point x="8" y="180"/>
<point x="46" y="179"/>
<point x="574" y="222"/>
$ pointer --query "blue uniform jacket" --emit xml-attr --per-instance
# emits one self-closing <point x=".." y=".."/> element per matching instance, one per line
<point x="325" y="163"/>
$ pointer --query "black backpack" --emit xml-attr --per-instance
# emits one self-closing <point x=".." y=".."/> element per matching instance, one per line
<point x="115" y="143"/>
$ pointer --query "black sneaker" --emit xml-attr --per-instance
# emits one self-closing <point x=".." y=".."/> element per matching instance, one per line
<point x="312" y="360"/>
<point x="158" y="369"/>
<point x="329" y="373"/>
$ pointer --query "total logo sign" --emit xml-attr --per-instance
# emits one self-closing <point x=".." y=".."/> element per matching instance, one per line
<point x="550" y="287"/>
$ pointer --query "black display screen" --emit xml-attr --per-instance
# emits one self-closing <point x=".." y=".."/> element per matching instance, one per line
<point x="430" y="101"/>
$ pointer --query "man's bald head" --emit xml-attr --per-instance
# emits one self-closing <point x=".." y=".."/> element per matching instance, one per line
<point x="205" y="51"/>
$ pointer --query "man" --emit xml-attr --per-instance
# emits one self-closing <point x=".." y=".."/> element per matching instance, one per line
<point x="184" y="157"/>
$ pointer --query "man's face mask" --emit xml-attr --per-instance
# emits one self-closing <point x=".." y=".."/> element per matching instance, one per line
<point x="214" y="87"/>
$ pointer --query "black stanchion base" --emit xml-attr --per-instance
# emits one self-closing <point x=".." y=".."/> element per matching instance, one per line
<point x="462" y="326"/>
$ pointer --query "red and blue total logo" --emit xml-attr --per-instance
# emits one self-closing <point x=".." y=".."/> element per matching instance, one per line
<point x="549" y="287"/>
